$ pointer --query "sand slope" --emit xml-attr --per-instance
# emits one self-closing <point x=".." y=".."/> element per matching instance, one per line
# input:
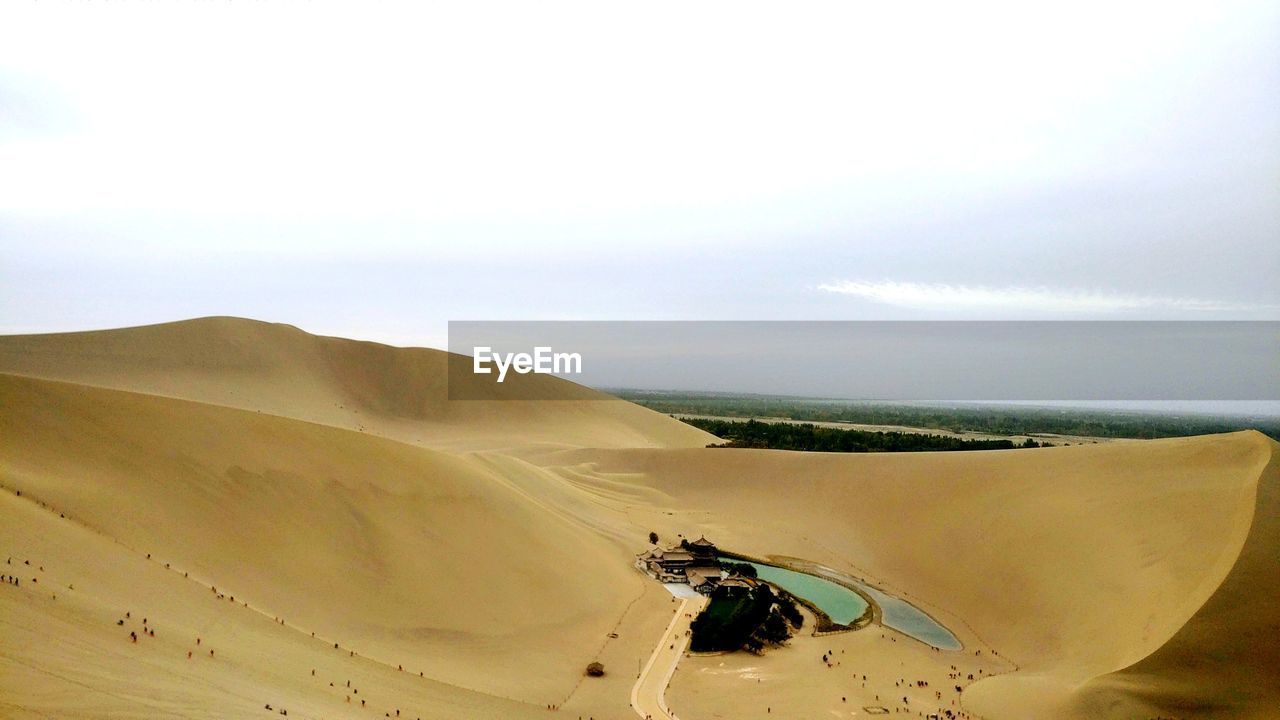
<point x="1070" y="562"/>
<point x="62" y="655"/>
<point x="394" y="392"/>
<point x="395" y="550"/>
<point x="1225" y="661"/>
<point x="486" y="545"/>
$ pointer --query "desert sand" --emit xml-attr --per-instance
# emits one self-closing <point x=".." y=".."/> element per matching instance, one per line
<point x="468" y="559"/>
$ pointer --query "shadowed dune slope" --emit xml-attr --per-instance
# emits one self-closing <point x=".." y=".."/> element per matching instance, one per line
<point x="1225" y="662"/>
<point x="396" y="392"/>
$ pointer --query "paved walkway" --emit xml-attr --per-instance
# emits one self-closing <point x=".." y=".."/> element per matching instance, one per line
<point x="648" y="697"/>
<point x="682" y="591"/>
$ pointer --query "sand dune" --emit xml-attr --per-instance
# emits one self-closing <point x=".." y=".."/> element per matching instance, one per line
<point x="486" y="544"/>
<point x="63" y="655"/>
<point x="1225" y="661"/>
<point x="395" y="392"/>
<point x="395" y="550"/>
<point x="1071" y="562"/>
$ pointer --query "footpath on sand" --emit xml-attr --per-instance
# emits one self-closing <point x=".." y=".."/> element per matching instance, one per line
<point x="648" y="696"/>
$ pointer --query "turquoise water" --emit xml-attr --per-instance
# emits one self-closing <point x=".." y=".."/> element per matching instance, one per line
<point x="844" y="606"/>
<point x="909" y="620"/>
<point x="840" y="603"/>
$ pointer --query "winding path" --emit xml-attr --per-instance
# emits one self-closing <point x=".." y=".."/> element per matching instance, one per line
<point x="648" y="695"/>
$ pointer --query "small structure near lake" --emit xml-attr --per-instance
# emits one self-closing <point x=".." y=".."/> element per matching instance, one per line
<point x="694" y="563"/>
<point x="703" y="579"/>
<point x="701" y="548"/>
<point x="744" y="612"/>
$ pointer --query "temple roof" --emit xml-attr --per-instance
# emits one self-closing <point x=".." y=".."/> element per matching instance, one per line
<point x="697" y="576"/>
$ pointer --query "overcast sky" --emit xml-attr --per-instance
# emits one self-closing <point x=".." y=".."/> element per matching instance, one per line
<point x="374" y="170"/>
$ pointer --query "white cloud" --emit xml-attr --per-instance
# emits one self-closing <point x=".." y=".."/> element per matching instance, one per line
<point x="1025" y="300"/>
<point x="470" y="111"/>
<point x="691" y="159"/>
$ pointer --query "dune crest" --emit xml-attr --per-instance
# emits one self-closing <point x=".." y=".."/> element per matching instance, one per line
<point x="397" y="392"/>
<point x="1225" y="661"/>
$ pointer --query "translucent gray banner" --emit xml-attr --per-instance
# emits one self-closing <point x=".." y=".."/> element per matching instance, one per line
<point x="910" y="361"/>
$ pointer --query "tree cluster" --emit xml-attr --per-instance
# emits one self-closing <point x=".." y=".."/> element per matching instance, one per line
<point x="795" y="436"/>
<point x="743" y="569"/>
<point x="991" y="419"/>
<point x="750" y="621"/>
